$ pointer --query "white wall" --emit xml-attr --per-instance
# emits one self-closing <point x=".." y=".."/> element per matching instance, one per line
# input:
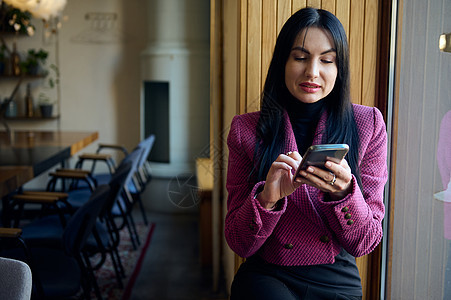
<point x="100" y="83"/>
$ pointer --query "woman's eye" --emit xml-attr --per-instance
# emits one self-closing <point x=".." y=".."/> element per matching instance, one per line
<point x="300" y="58"/>
<point x="328" y="60"/>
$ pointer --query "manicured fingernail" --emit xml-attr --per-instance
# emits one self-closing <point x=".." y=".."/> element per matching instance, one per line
<point x="310" y="169"/>
<point x="328" y="164"/>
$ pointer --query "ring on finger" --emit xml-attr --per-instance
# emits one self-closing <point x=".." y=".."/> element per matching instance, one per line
<point x="332" y="182"/>
<point x="288" y="153"/>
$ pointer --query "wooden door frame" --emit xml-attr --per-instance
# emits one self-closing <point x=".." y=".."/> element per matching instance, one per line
<point x="390" y="209"/>
<point x="381" y="96"/>
<point x="389" y="25"/>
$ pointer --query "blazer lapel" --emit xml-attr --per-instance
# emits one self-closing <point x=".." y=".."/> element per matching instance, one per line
<point x="290" y="140"/>
<point x="320" y="129"/>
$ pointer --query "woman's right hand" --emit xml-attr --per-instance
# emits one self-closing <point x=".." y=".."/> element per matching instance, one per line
<point x="280" y="180"/>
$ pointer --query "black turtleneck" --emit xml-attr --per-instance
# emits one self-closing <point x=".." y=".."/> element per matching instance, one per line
<point x="304" y="119"/>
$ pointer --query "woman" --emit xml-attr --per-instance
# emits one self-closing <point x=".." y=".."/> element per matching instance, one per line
<point x="301" y="236"/>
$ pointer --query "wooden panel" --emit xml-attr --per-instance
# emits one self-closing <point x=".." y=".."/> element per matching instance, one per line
<point x="343" y="11"/>
<point x="238" y="261"/>
<point x="314" y="3"/>
<point x="261" y="21"/>
<point x="243" y="56"/>
<point x="205" y="228"/>
<point x="283" y="13"/>
<point x="328" y="5"/>
<point x="297" y="5"/>
<point x="254" y="56"/>
<point x="363" y="42"/>
<point x="355" y="48"/>
<point x="362" y="265"/>
<point x="216" y="129"/>
<point x="223" y="112"/>
<point x="369" y="66"/>
<point x="269" y="35"/>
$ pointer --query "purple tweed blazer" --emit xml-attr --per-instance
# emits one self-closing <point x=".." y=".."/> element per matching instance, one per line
<point x="306" y="230"/>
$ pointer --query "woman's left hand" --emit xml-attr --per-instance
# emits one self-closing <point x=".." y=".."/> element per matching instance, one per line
<point x="336" y="181"/>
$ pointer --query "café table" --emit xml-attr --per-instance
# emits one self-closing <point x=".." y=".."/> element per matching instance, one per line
<point x="26" y="154"/>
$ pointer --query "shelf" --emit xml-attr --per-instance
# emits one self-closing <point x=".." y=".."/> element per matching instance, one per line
<point x="27" y="76"/>
<point x="8" y="80"/>
<point x="37" y="118"/>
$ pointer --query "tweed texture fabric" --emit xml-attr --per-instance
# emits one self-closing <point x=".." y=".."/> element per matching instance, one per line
<point x="306" y="230"/>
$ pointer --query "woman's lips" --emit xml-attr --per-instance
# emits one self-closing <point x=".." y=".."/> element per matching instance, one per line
<point x="310" y="87"/>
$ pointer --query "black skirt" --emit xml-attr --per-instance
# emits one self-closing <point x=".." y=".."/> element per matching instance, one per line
<point x="257" y="279"/>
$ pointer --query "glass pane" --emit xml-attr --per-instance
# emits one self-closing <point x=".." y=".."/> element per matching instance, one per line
<point x="421" y="258"/>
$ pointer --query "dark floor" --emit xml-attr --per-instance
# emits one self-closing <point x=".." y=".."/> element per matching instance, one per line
<point x="171" y="268"/>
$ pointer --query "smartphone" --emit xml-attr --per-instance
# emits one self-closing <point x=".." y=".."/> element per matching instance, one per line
<point x="317" y="155"/>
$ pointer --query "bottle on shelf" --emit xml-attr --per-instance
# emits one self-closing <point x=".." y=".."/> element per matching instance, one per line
<point x="11" y="109"/>
<point x="29" y="107"/>
<point x="15" y="61"/>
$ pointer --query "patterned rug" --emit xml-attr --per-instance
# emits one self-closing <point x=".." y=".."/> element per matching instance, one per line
<point x="131" y="260"/>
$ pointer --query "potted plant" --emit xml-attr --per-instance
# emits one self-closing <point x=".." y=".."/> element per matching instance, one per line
<point x="34" y="61"/>
<point x="45" y="102"/>
<point x="45" y="105"/>
<point x="17" y="21"/>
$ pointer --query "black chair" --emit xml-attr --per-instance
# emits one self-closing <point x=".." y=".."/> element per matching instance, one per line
<point x="108" y="238"/>
<point x="141" y="175"/>
<point x="128" y="198"/>
<point x="61" y="269"/>
<point x="109" y="161"/>
<point x="124" y="205"/>
<point x="77" y="193"/>
<point x="105" y="242"/>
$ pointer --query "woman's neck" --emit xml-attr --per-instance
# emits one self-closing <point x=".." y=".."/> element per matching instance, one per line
<point x="300" y="110"/>
<point x="304" y="119"/>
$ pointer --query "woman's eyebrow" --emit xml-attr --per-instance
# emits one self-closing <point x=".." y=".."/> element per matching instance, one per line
<point x="308" y="52"/>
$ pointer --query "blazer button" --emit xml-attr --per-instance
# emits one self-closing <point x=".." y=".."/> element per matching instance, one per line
<point x="324" y="239"/>
<point x="288" y="246"/>
<point x="345" y="209"/>
<point x="350" y="222"/>
<point x="348" y="216"/>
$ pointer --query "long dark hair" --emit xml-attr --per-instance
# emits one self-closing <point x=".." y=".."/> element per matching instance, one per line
<point x="340" y="126"/>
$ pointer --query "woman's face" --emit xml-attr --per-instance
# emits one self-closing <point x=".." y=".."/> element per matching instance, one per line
<point x="311" y="68"/>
